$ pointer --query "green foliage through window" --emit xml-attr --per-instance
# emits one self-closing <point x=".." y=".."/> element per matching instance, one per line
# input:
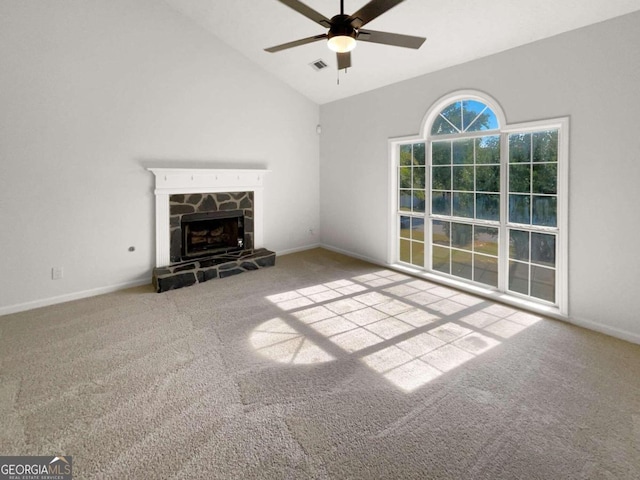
<point x="455" y="183"/>
<point x="464" y="116"/>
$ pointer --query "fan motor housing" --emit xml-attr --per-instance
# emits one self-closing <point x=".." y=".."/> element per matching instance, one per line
<point x="341" y="27"/>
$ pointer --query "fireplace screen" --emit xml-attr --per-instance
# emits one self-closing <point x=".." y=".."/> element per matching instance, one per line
<point x="212" y="233"/>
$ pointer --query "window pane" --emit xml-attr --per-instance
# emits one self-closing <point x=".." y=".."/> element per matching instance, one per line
<point x="545" y="211"/>
<point x="545" y="146"/>
<point x="488" y="179"/>
<point x="440" y="258"/>
<point x="405" y="200"/>
<point x="519" y="277"/>
<point x="520" y="178"/>
<point x="441" y="153"/>
<point x="519" y="208"/>
<point x="543" y="249"/>
<point x="543" y="283"/>
<point x="453" y="113"/>
<point x="461" y="264"/>
<point x="461" y="235"/>
<point x="488" y="206"/>
<point x="418" y="177"/>
<point x="463" y="178"/>
<point x="442" y="127"/>
<point x="449" y="120"/>
<point x="467" y="188"/>
<point x="462" y="151"/>
<point x="463" y="205"/>
<point x="519" y="245"/>
<point x="417" y="229"/>
<point x="418" y="153"/>
<point x="441" y="232"/>
<point x="405" y="177"/>
<point x="405" y="227"/>
<point x="405" y="154"/>
<point x="417" y="253"/>
<point x="486" y="240"/>
<point x="405" y="251"/>
<point x="488" y="149"/>
<point x="418" y="201"/>
<point x="520" y="147"/>
<point x="441" y="178"/>
<point x="485" y="270"/>
<point x="441" y="203"/>
<point x="545" y="178"/>
<point x="477" y="116"/>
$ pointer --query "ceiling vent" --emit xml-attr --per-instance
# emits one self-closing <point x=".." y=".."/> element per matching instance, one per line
<point x="318" y="65"/>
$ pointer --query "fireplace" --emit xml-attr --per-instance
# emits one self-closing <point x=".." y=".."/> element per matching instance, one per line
<point x="204" y="224"/>
<point x="183" y="191"/>
<point x="212" y="233"/>
<point x="209" y="224"/>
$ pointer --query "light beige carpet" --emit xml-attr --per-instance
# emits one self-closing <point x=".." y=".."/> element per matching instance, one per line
<point x="320" y="367"/>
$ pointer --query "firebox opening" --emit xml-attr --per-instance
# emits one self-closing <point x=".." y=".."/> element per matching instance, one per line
<point x="212" y="233"/>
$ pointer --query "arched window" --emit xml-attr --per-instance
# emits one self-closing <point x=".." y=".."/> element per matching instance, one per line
<point x="464" y="116"/>
<point x="478" y="200"/>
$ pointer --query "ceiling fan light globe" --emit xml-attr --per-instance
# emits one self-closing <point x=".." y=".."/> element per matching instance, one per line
<point x="341" y="43"/>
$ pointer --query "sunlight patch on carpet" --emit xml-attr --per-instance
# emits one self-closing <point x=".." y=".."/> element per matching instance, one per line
<point x="279" y="342"/>
<point x="385" y="319"/>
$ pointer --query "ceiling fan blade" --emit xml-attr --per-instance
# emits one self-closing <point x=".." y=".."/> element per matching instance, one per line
<point x="371" y="10"/>
<point x="344" y="60"/>
<point x="296" y="43"/>
<point x="386" y="38"/>
<point x="308" y="12"/>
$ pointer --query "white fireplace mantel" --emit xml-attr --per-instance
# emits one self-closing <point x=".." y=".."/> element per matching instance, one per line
<point x="203" y="180"/>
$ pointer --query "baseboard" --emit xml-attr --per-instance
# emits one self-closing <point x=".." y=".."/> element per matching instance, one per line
<point x="45" y="302"/>
<point x="22" y="307"/>
<point x="607" y="330"/>
<point x="353" y="254"/>
<point x="297" y="249"/>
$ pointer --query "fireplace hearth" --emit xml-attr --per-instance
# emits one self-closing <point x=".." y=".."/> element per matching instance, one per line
<point x="208" y="268"/>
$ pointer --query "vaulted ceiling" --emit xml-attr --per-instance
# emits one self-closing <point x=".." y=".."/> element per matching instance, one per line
<point x="457" y="31"/>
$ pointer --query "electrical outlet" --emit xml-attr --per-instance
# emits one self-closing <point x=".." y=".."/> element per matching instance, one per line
<point x="56" y="273"/>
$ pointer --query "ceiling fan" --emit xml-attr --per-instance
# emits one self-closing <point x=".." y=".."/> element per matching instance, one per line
<point x="345" y="30"/>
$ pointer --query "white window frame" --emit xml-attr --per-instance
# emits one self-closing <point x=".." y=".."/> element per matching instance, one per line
<point x="562" y="248"/>
<point x="561" y="307"/>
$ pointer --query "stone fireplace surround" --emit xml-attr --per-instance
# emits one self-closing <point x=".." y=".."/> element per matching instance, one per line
<point x="187" y="190"/>
<point x="180" y="205"/>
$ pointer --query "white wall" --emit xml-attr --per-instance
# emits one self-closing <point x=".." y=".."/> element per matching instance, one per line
<point x="90" y="91"/>
<point x="592" y="75"/>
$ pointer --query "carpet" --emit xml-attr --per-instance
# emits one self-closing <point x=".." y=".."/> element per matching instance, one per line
<point x="321" y="367"/>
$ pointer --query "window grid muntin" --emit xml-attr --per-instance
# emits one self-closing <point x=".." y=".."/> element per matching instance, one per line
<point x="411" y="243"/>
<point x="532" y="228"/>
<point x="530" y="265"/>
<point x="473" y="250"/>
<point x="561" y="126"/>
<point x="463" y="142"/>
<point x="462" y="128"/>
<point x="531" y="194"/>
<point x="456" y="170"/>
<point x="409" y="239"/>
